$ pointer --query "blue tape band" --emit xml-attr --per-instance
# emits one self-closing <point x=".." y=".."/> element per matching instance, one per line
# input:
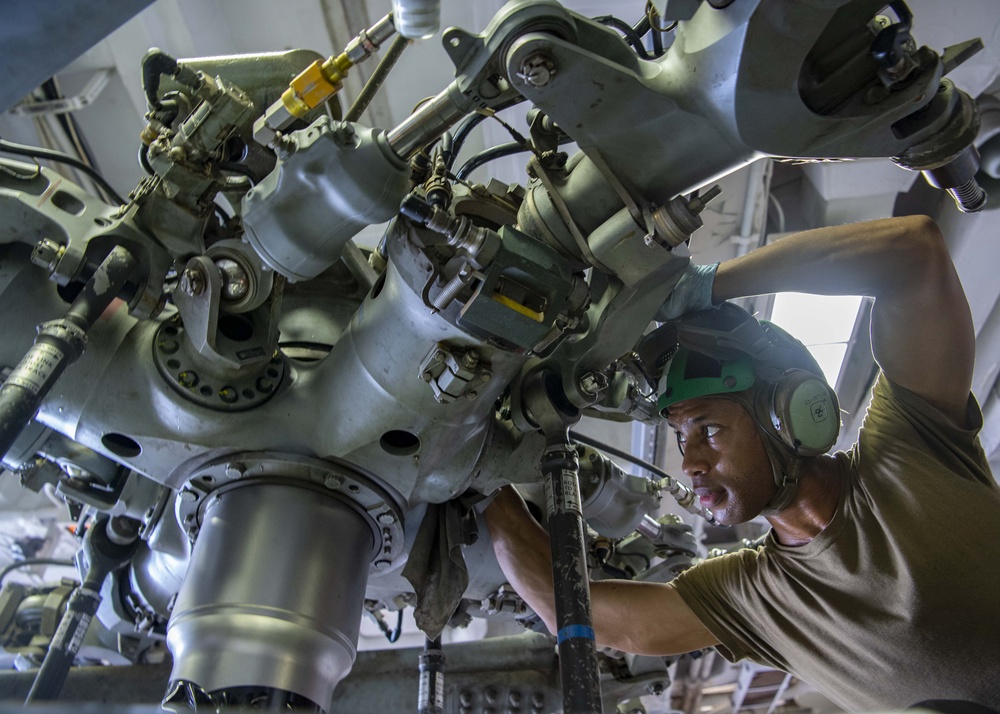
<point x="572" y="632"/>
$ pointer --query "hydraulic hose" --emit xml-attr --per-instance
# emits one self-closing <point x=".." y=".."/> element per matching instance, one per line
<point x="58" y="345"/>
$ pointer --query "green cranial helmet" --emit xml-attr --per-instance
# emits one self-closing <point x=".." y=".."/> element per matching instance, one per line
<point x="725" y="351"/>
<point x="692" y="374"/>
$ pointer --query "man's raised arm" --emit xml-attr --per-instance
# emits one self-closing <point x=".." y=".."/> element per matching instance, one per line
<point x="642" y="618"/>
<point x="922" y="332"/>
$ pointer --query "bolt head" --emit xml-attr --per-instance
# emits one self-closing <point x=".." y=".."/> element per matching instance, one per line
<point x="387" y="518"/>
<point x="537" y="69"/>
<point x="382" y="564"/>
<point x="332" y="481"/>
<point x="192" y="282"/>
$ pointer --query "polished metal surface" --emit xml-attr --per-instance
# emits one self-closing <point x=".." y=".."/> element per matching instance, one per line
<point x="274" y="592"/>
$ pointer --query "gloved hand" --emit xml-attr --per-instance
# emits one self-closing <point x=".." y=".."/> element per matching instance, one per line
<point x="693" y="292"/>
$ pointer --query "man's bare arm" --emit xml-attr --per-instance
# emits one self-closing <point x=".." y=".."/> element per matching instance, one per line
<point x="922" y="332"/>
<point x="642" y="618"/>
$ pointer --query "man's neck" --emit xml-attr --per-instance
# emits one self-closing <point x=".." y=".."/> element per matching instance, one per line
<point x="814" y="505"/>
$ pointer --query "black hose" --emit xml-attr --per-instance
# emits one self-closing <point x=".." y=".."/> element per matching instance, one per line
<point x="59" y="344"/>
<point x="461" y="134"/>
<point x="27" y="562"/>
<point x="154" y="65"/>
<point x="642" y="27"/>
<point x="491" y="154"/>
<point x="631" y="36"/>
<point x="374" y="82"/>
<point x="35" y="152"/>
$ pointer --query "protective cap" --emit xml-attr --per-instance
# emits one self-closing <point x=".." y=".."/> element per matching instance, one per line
<point x="693" y="374"/>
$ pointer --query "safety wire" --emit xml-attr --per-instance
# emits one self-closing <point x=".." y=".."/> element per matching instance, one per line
<point x="35" y="152"/>
<point x="28" y="562"/>
<point x="681" y="493"/>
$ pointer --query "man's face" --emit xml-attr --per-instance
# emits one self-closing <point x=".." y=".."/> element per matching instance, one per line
<point x="724" y="457"/>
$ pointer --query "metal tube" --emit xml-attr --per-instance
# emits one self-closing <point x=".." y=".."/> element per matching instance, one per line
<point x="432" y="119"/>
<point x="581" y="686"/>
<point x="374" y="82"/>
<point x="59" y="344"/>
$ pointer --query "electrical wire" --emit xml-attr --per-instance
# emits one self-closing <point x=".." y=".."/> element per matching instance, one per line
<point x="9" y="147"/>
<point x="394" y="635"/>
<point x="32" y="561"/>
<point x="624" y="455"/>
<point x="50" y="89"/>
<point x="631" y="36"/>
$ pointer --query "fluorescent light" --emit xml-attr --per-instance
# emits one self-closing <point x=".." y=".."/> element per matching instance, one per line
<point x="823" y="323"/>
<point x="816" y="319"/>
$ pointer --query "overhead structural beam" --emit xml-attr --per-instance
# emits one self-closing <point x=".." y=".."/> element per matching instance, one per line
<point x="38" y="39"/>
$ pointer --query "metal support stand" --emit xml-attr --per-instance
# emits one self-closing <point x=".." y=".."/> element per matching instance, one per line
<point x="431" y="697"/>
<point x="553" y="414"/>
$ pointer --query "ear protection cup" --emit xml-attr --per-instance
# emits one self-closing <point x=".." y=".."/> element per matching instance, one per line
<point x="801" y="411"/>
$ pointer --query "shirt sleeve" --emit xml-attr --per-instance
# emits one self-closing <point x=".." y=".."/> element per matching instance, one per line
<point x="898" y="418"/>
<point x="720" y="592"/>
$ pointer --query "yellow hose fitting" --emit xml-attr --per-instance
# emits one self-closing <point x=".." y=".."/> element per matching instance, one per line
<point x="313" y="86"/>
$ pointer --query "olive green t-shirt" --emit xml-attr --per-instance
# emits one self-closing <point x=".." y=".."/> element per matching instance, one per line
<point x="897" y="600"/>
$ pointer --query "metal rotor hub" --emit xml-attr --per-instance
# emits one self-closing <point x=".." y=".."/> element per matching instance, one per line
<point x="361" y="492"/>
<point x="184" y="370"/>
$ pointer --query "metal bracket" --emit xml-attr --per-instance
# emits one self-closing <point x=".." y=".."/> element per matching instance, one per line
<point x="454" y="374"/>
<point x="85" y="98"/>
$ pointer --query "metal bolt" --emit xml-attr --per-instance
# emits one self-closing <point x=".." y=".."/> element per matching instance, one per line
<point x="387" y="518"/>
<point x="655" y="688"/>
<point x="593" y="382"/>
<point x="264" y="384"/>
<point x="192" y="281"/>
<point x="229" y="395"/>
<point x="177" y="153"/>
<point x="47" y="254"/>
<point x="537" y="69"/>
<point x="465" y="698"/>
<point x="382" y="564"/>
<point x="514" y="698"/>
<point x="471" y="396"/>
<point x="491" y="695"/>
<point x="235" y="470"/>
<point x="188" y="496"/>
<point x="538" y="700"/>
<point x="187" y="379"/>
<point x="168" y="346"/>
<point x="332" y="481"/>
<point x="470" y="359"/>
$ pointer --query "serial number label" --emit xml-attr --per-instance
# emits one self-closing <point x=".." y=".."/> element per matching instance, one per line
<point x="37" y="367"/>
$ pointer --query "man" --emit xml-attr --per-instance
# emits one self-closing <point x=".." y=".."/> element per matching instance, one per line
<point x="879" y="580"/>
